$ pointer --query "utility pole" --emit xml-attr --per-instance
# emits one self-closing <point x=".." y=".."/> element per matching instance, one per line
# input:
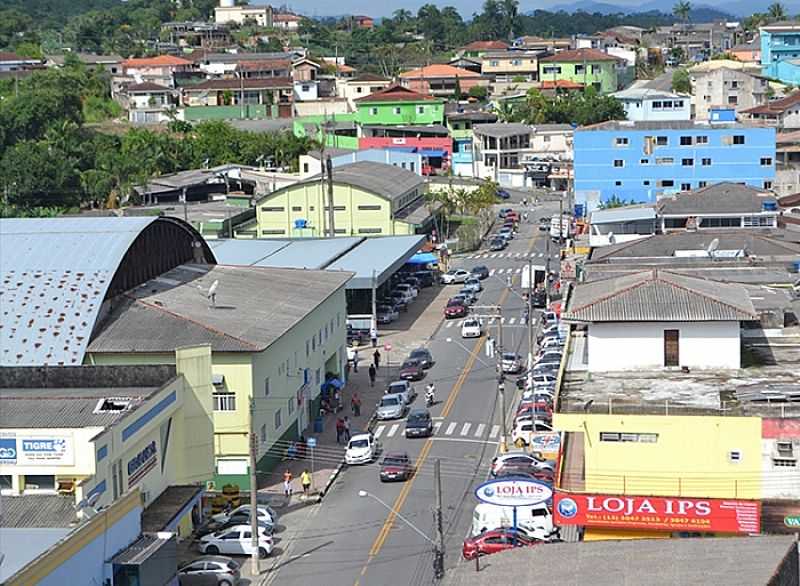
<point x="501" y="382"/>
<point x="253" y="490"/>
<point x="530" y="316"/>
<point x="185" y="209"/>
<point x="329" y="168"/>
<point x="438" y="560"/>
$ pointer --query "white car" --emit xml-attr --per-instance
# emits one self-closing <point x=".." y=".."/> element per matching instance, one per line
<point x="512" y="363"/>
<point x="402" y="387"/>
<point x="455" y="276"/>
<point x="524" y="430"/>
<point x="237" y="540"/>
<point x="408" y="289"/>
<point x="264" y="514"/>
<point x="471" y="328"/>
<point x="473" y="284"/>
<point x="537" y="394"/>
<point x="551" y="343"/>
<point x="361" y="449"/>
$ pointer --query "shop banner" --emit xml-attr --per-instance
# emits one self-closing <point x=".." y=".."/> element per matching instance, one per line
<point x="657" y="513"/>
<point x="36" y="449"/>
<point x="548" y="443"/>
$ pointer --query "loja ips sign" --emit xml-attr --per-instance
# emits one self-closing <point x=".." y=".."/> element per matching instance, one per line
<point x="657" y="513"/>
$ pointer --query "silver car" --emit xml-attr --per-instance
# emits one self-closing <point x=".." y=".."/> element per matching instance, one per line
<point x="210" y="570"/>
<point x="473" y="284"/>
<point x="403" y="388"/>
<point x="386" y="314"/>
<point x="391" y="407"/>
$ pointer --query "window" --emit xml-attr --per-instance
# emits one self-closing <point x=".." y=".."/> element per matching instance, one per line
<point x="784" y="462"/>
<point x="335" y="208"/>
<point x="580" y="69"/>
<point x="317" y="377"/>
<point x="494" y="63"/>
<point x="373" y="111"/>
<point x="767" y="184"/>
<point x="662" y="141"/>
<point x="645" y="183"/>
<point x="40" y="482"/>
<point x="766" y="161"/>
<point x="619" y="163"/>
<point x="645" y="438"/>
<point x="618" y="183"/>
<point x="621" y="141"/>
<point x="297" y="208"/>
<point x="705" y="162"/>
<point x="735" y="456"/>
<point x="687" y="162"/>
<point x="278" y="419"/>
<point x="305" y="167"/>
<point x="370" y="230"/>
<point x="305" y="88"/>
<point x="224" y="401"/>
<point x="369" y="208"/>
<point x="290" y="405"/>
<point x="597" y="68"/>
<point x="720" y="223"/>
<point x="686" y="141"/>
<point x="308" y="348"/>
<point x="702" y="139"/>
<point x="420" y="109"/>
<point x="273" y="209"/>
<point x="664" y="160"/>
<point x="644" y="161"/>
<point x="702" y="183"/>
<point x="657" y="105"/>
<point x="397" y="110"/>
<point x="358" y="89"/>
<point x="264" y="432"/>
<point x="266" y="387"/>
<point x="313" y="343"/>
<point x="666" y="183"/>
<point x="551" y="70"/>
<point x="678" y="104"/>
<point x="757" y="222"/>
<point x="686" y="186"/>
<point x="274" y="232"/>
<point x="738" y="139"/>
<point x="734" y="84"/>
<point x="733" y="100"/>
<point x="5" y="483"/>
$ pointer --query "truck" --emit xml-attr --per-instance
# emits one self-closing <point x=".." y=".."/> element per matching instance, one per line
<point x="359" y="326"/>
<point x="535" y="520"/>
<point x="539" y="274"/>
<point x="560" y="227"/>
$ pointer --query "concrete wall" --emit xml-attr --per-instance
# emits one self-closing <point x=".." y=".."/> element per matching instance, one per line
<point x="330" y="108"/>
<point x="588" y="73"/>
<point x="640" y="345"/>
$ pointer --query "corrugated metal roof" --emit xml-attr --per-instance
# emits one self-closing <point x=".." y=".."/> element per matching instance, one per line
<point x="626" y="214"/>
<point x="381" y="179"/>
<point x="720" y="198"/>
<point x="502" y="129"/>
<point x="245" y="252"/>
<point x="303" y="253"/>
<point x="54" y="274"/>
<point x="37" y="511"/>
<point x="659" y="296"/>
<point x="381" y="255"/>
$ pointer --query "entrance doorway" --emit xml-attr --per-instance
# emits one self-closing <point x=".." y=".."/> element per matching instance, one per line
<point x="671" y="348"/>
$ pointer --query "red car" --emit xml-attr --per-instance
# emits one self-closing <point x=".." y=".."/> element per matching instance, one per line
<point x="493" y="541"/>
<point x="455" y="308"/>
<point x="540" y="408"/>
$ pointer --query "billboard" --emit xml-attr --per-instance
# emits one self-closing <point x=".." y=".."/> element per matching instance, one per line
<point x="514" y="492"/>
<point x="548" y="443"/>
<point x="657" y="513"/>
<point x="36" y="449"/>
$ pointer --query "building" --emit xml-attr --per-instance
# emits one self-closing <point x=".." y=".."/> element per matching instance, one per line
<point x="659" y="319"/>
<point x="14" y="62"/>
<point x="460" y="121"/>
<point x="397" y="105"/>
<point x="230" y="65"/>
<point x="620" y="225"/>
<point x="780" y="51"/>
<point x="749" y="52"/>
<point x="311" y="163"/>
<point x="516" y="66"/>
<point x="735" y="86"/>
<point x="228" y="12"/>
<point x="589" y="67"/>
<point x="645" y="104"/>
<point x="362" y="21"/>
<point x="787" y="168"/>
<point x="643" y="161"/>
<point x="161" y="69"/>
<point x="270" y="97"/>
<point x="287" y="22"/>
<point x="783" y="114"/>
<point x="197" y="34"/>
<point x="149" y="103"/>
<point x="110" y="63"/>
<point x="369" y="199"/>
<point x="534" y="43"/>
<point x="477" y="49"/>
<point x="441" y="80"/>
<point x="431" y="141"/>
<point x="696" y="42"/>
<point x="359" y="86"/>
<point x="498" y="151"/>
<point x="277" y="67"/>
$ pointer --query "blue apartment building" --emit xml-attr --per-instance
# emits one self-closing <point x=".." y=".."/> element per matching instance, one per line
<point x="780" y="51"/>
<point x="643" y="161"/>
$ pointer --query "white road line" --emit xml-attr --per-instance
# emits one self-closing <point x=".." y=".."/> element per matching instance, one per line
<point x="378" y="431"/>
<point x="467" y="440"/>
<point x="465" y="429"/>
<point x="541" y="254"/>
<point x="449" y="324"/>
<point x="519" y="270"/>
<point x="519" y="254"/>
<point x="493" y="255"/>
<point x="512" y="320"/>
<point x="499" y="271"/>
<point x="479" y="430"/>
<point x="450" y="428"/>
<point x="436" y="426"/>
<point x="491" y="272"/>
<point x="392" y="430"/>
<point x="495" y="431"/>
<point x="485" y="256"/>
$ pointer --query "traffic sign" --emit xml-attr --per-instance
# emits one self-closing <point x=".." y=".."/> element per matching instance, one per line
<point x="387" y="347"/>
<point x="312" y="442"/>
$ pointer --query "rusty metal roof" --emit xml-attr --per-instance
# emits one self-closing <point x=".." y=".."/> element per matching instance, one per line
<point x="54" y="275"/>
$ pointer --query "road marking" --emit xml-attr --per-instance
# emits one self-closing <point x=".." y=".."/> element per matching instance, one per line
<point x="519" y="254"/>
<point x="379" y="430"/>
<point x="449" y="324"/>
<point x="392" y="430"/>
<point x="511" y="320"/>
<point x="479" y="429"/>
<point x="464" y="439"/>
<point x="495" y="431"/>
<point x="450" y="428"/>
<point x="494" y="255"/>
<point x="519" y="270"/>
<point x="491" y="272"/>
<point x="500" y="271"/>
<point x="465" y="429"/>
<point x="436" y="426"/>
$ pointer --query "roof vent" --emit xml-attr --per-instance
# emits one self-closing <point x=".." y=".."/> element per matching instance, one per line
<point x="112" y="405"/>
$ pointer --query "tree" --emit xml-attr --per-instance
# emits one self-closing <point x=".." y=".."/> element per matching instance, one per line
<point x="681" y="82"/>
<point x="510" y="11"/>
<point x="615" y="202"/>
<point x="682" y="9"/>
<point x="457" y="95"/>
<point x="479" y="92"/>
<point x="38" y="175"/>
<point x="776" y="11"/>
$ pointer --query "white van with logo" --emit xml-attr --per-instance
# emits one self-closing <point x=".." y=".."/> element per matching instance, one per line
<point x="535" y="520"/>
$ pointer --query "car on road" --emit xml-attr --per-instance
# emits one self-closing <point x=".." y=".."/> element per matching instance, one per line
<point x="469" y="296"/>
<point x="236" y="540"/>
<point x="539" y="300"/>
<point x="210" y="570"/>
<point x="455" y="308"/>
<point x="524" y="430"/>
<point x="554" y="343"/>
<point x="503" y="194"/>
<point x="404" y="388"/>
<point x="549" y="317"/>
<point x="265" y="513"/>
<point x="396" y="466"/>
<point x="412" y="369"/>
<point x="361" y="449"/>
<point x="419" y="423"/>
<point x="424" y="356"/>
<point x="480" y="271"/>
<point x="386" y="314"/>
<point x="544" y="224"/>
<point x="454" y="276"/>
<point x="494" y="541"/>
<point x="518" y="459"/>
<point x="506" y="232"/>
<point x="512" y="363"/>
<point x="471" y="328"/>
<point x="503" y="212"/>
<point x="497" y="244"/>
<point x="390" y="407"/>
<point x="474" y="285"/>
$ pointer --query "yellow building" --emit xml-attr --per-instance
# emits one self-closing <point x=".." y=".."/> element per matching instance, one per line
<point x="369" y="199"/>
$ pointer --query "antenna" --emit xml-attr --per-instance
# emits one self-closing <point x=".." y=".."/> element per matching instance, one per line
<point x="212" y="293"/>
<point x="713" y="247"/>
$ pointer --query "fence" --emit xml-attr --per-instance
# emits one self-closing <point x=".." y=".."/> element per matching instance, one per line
<point x="612" y="406"/>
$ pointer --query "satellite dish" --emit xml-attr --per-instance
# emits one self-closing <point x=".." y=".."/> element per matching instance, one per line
<point x="713" y="247"/>
<point x="212" y="293"/>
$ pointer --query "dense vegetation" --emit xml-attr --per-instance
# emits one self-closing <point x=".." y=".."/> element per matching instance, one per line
<point x="578" y="108"/>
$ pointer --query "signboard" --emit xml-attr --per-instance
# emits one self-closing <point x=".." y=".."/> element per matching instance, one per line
<point x="36" y="450"/>
<point x="312" y="442"/>
<point x="142" y="463"/>
<point x="548" y="443"/>
<point x="514" y="492"/>
<point x="780" y="516"/>
<point x="8" y="449"/>
<point x="657" y="513"/>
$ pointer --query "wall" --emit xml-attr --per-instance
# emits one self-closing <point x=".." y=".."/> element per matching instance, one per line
<point x="353" y="90"/>
<point x="305" y="90"/>
<point x="780" y="481"/>
<point x="310" y="166"/>
<point x="606" y="76"/>
<point x="643" y="110"/>
<point x="329" y="107"/>
<point x="716" y="88"/>
<point x="631" y="346"/>
<point x="250" y="111"/>
<point x="394" y="113"/>
<point x="511" y="66"/>
<point x="689" y="457"/>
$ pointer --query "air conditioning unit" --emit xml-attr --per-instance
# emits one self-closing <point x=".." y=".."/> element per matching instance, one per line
<point x="784" y="450"/>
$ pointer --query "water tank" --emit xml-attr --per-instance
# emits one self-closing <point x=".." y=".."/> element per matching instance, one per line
<point x="226" y="3"/>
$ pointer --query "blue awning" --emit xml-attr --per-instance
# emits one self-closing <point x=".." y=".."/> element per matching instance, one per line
<point x="403" y="149"/>
<point x="334" y="382"/>
<point x="434" y="153"/>
<point x="422" y="258"/>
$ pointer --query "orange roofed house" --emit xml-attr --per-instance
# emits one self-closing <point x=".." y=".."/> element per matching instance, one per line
<point x="477" y="49"/>
<point x="161" y="69"/>
<point x="441" y="80"/>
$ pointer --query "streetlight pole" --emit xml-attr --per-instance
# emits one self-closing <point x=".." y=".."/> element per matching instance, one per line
<point x="501" y="382"/>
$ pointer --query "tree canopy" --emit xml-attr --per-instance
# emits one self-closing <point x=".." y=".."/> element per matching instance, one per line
<point x="578" y="108"/>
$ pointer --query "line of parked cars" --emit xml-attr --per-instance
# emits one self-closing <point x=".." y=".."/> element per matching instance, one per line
<point x="404" y="289"/>
<point x="500" y="239"/>
<point x="471" y="286"/>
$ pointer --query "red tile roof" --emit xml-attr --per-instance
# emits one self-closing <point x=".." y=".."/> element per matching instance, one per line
<point x="396" y="93"/>
<point x="776" y="106"/>
<point x="159" y="61"/>
<point x="578" y="55"/>
<point x="486" y="46"/>
<point x="438" y="70"/>
<point x="285" y="18"/>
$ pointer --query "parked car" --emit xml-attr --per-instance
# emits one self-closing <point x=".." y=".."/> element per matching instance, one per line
<point x="424" y="356"/>
<point x="396" y="466"/>
<point x="503" y="212"/>
<point x="550" y="366"/>
<point x="425" y="278"/>
<point x="455" y="276"/>
<point x="539" y="299"/>
<point x="503" y="194"/>
<point x="419" y="423"/>
<point x="506" y="231"/>
<point x="474" y="285"/>
<point x="386" y="314"/>
<point x="235" y="541"/>
<point x="399" y="300"/>
<point x="512" y="363"/>
<point x="471" y="328"/>
<point x="210" y="570"/>
<point x="469" y="297"/>
<point x="548" y="355"/>
<point x="549" y="317"/>
<point x="455" y="308"/>
<point x="497" y="244"/>
<point x="265" y="513"/>
<point x="404" y="388"/>
<point x="361" y="449"/>
<point x="519" y="459"/>
<point x="481" y="271"/>
<point x="410" y="291"/>
<point x="551" y="343"/>
<point x="524" y="430"/>
<point x="494" y="541"/>
<point x="412" y="369"/>
<point x="390" y="407"/>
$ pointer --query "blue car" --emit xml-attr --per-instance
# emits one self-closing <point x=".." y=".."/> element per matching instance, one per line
<point x="503" y="194"/>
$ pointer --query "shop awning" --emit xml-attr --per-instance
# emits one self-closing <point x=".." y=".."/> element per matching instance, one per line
<point x="422" y="258"/>
<point x="435" y="153"/>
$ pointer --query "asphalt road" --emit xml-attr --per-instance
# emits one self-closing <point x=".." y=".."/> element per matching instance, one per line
<point x="355" y="541"/>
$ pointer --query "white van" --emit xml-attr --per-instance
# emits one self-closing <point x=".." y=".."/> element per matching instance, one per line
<point x="535" y="520"/>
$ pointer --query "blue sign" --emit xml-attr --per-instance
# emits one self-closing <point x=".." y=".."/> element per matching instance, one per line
<point x="567" y="508"/>
<point x="8" y="450"/>
<point x="44" y="446"/>
<point x="312" y="442"/>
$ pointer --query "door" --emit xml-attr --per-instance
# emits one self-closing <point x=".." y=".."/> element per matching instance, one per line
<point x="671" y="348"/>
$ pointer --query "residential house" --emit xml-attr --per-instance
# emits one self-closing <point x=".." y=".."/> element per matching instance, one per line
<point x="749" y="52"/>
<point x="228" y="12"/>
<point x="727" y="84"/>
<point x="780" y="51"/>
<point x="364" y="22"/>
<point x="549" y="159"/>
<point x="242" y="98"/>
<point x="162" y="69"/>
<point x="498" y="151"/>
<point x="194" y="34"/>
<point x="311" y="164"/>
<point x="477" y="49"/>
<point x="305" y="91"/>
<point x="110" y="63"/>
<point x="397" y="105"/>
<point x="620" y="225"/>
<point x="534" y="43"/>
<point x="659" y="319"/>
<point x="645" y="104"/>
<point x="359" y="86"/>
<point x="589" y="67"/>
<point x="460" y="121"/>
<point x="286" y="21"/>
<point x="369" y="199"/>
<point x="441" y="80"/>
<point x="431" y="141"/>
<point x="473" y="64"/>
<point x="261" y="68"/>
<point x="696" y="41"/>
<point x="783" y="113"/>
<point x="511" y="65"/>
<point x="237" y="64"/>
<point x="14" y="62"/>
<point x="149" y="103"/>
<point x="643" y="161"/>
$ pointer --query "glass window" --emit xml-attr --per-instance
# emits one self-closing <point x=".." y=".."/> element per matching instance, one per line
<point x="273" y="209"/>
<point x="686" y="141"/>
<point x="420" y="109"/>
<point x="664" y="160"/>
<point x="224" y="401"/>
<point x="397" y="110"/>
<point x="621" y="141"/>
<point x="657" y="105"/>
<point x="702" y="139"/>
<point x="5" y="482"/>
<point x="264" y="432"/>
<point x="687" y="162"/>
<point x="705" y="162"/>
<point x="618" y="183"/>
<point x="767" y="184"/>
<point x="266" y="387"/>
<point x="40" y="482"/>
<point x="373" y="111"/>
<point x="619" y="163"/>
<point x="662" y="140"/>
<point x="278" y="419"/>
<point x="738" y="139"/>
<point x="686" y="186"/>
<point x="666" y="183"/>
<point x="766" y="161"/>
<point x="644" y="161"/>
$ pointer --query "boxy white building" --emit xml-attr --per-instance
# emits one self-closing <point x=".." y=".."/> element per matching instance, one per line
<point x="658" y="319"/>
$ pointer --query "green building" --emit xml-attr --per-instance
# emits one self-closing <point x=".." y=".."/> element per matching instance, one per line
<point x="588" y="67"/>
<point x="399" y="106"/>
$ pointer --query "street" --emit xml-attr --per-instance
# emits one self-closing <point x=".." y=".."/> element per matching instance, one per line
<point x="352" y="540"/>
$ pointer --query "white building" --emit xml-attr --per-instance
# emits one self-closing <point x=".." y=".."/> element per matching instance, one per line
<point x="499" y="150"/>
<point x="227" y="12"/>
<point x="307" y="90"/>
<point x="658" y="319"/>
<point x="357" y="87"/>
<point x="645" y="104"/>
<point x="727" y="83"/>
<point x="619" y="225"/>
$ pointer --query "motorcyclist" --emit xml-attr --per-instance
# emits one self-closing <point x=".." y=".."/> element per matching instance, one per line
<point x="430" y="391"/>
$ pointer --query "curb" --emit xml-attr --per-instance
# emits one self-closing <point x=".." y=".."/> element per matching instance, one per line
<point x="335" y="475"/>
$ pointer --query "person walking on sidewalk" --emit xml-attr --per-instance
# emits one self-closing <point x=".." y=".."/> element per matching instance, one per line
<point x="287" y="484"/>
<point x="339" y="429"/>
<point x="376" y="357"/>
<point x="373" y="335"/>
<point x="305" y="480"/>
<point x="355" y="405"/>
<point x="372" y="374"/>
<point x="355" y="360"/>
<point x="346" y="424"/>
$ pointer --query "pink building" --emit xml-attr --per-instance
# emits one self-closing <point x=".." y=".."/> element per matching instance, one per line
<point x="436" y="151"/>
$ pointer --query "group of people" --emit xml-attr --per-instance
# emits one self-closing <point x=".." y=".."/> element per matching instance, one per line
<point x="342" y="429"/>
<point x="305" y="481"/>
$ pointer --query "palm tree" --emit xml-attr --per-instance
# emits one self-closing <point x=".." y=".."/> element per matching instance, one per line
<point x="776" y="11"/>
<point x="682" y="10"/>
<point x="510" y="10"/>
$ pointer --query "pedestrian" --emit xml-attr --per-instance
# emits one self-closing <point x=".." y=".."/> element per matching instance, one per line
<point x="287" y="484"/>
<point x="373" y="335"/>
<point x="524" y="201"/>
<point x="339" y="429"/>
<point x="305" y="480"/>
<point x="376" y="356"/>
<point x="355" y="360"/>
<point x="353" y="401"/>
<point x="337" y="401"/>
<point x="372" y="374"/>
<point x="356" y="405"/>
<point x="346" y="429"/>
<point x="525" y="217"/>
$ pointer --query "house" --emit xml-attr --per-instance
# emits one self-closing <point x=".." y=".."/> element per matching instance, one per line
<point x="311" y="164"/>
<point x="477" y="49"/>
<point x="110" y="63"/>
<point x="728" y="84"/>
<point x="305" y="91"/>
<point x="588" y="67"/>
<point x="229" y="12"/>
<point x="441" y="80"/>
<point x="511" y="65"/>
<point x="780" y="51"/>
<point x="369" y="199"/>
<point x="261" y="68"/>
<point x="246" y="98"/>
<point x="431" y="141"/>
<point x="460" y="121"/>
<point x="190" y="34"/>
<point x="534" y="43"/>
<point x="549" y="159"/>
<point x="359" y="86"/>
<point x="787" y="163"/>
<point x="641" y="162"/>
<point x="286" y="21"/>
<point x="273" y="64"/>
<point x="14" y="62"/>
<point x="622" y="224"/>
<point x="696" y="41"/>
<point x="645" y="104"/>
<point x="783" y="113"/>
<point x="473" y="64"/>
<point x="149" y="103"/>
<point x="365" y="22"/>
<point x="498" y="152"/>
<point x="161" y="69"/>
<point x="397" y="105"/>
<point x="660" y="319"/>
<point x="749" y="52"/>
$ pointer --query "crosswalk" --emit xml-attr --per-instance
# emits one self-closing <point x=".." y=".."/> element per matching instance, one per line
<point x="509" y="321"/>
<point x="488" y="255"/>
<point x="453" y="428"/>
<point x="508" y="271"/>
